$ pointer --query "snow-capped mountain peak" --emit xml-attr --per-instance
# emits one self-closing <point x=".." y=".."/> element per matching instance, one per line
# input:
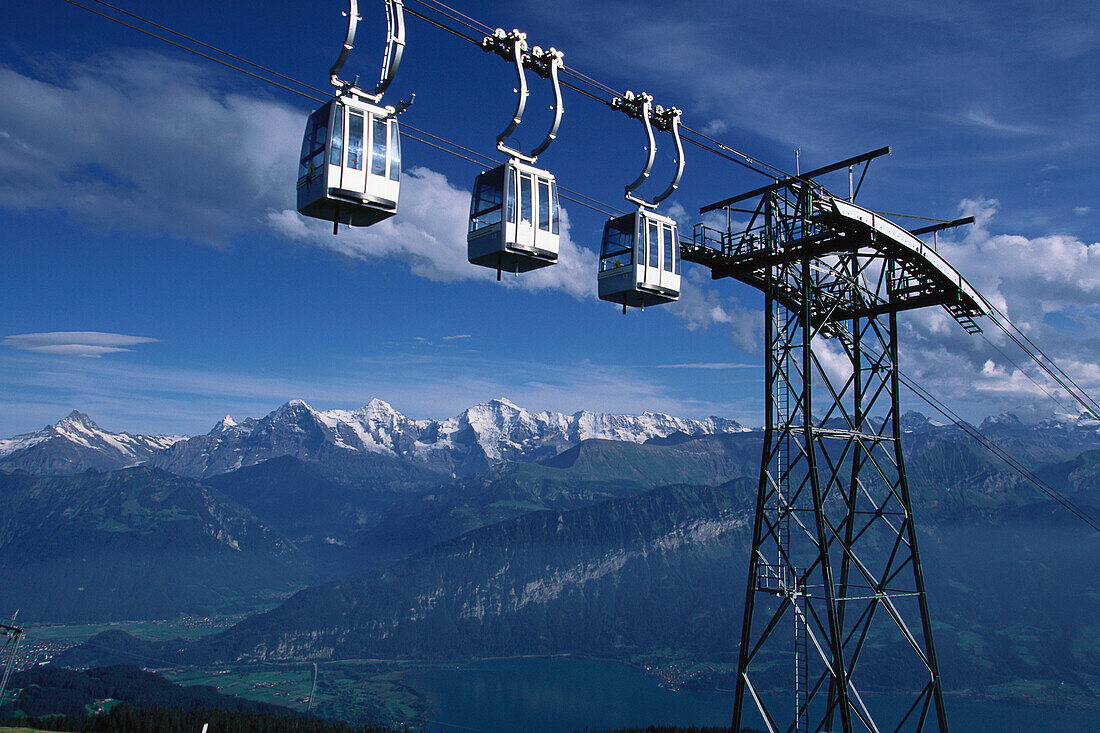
<point x="76" y="443"/>
<point x="292" y="408"/>
<point x="225" y="424"/>
<point x="76" y="420"/>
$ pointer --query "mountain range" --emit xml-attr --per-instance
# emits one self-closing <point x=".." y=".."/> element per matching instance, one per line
<point x="485" y="435"/>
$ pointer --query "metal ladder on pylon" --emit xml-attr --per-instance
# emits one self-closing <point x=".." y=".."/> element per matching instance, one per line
<point x="782" y="466"/>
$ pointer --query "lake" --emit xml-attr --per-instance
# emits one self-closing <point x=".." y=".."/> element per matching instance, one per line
<point x="551" y="695"/>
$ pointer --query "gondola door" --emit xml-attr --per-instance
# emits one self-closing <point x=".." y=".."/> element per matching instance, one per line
<point x="669" y="277"/>
<point x="525" y="228"/>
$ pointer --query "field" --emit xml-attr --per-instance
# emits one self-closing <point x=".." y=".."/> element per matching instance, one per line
<point x="353" y="691"/>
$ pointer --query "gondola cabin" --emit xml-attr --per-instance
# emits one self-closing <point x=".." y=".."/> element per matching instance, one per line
<point x="640" y="260"/>
<point x="350" y="169"/>
<point x="514" y="218"/>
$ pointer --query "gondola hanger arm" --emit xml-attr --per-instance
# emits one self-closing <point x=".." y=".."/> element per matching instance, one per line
<point x="547" y="64"/>
<point x="349" y="43"/>
<point x="669" y="120"/>
<point x="513" y="46"/>
<point x="395" y="48"/>
<point x="640" y="106"/>
<point x="395" y="45"/>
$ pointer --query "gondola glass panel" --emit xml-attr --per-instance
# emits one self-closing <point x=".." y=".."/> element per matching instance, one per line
<point x="653" y="244"/>
<point x="527" y="236"/>
<point x="312" y="161"/>
<point x="346" y="189"/>
<point x="337" y="148"/>
<point x="355" y="141"/>
<point x="394" y="151"/>
<point x="553" y="209"/>
<point x="669" y="237"/>
<point x="544" y="206"/>
<point x="618" y="244"/>
<point x="379" y="140"/>
<point x="635" y="246"/>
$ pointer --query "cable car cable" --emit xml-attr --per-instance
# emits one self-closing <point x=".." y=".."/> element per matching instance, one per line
<point x="194" y="51"/>
<point x="1020" y="369"/>
<point x="440" y="147"/>
<point x="476" y="25"/>
<point x="485" y="159"/>
<point x="471" y="23"/>
<point x="593" y="82"/>
<point x="947" y="412"/>
<point x="748" y="158"/>
<point x="719" y="153"/>
<point x="212" y="48"/>
<point x="605" y="212"/>
<point x="1095" y="408"/>
<point x="588" y="94"/>
<point x="489" y="162"/>
<point x="1042" y="360"/>
<point x="609" y="208"/>
<point x="973" y="432"/>
<point x="442" y="26"/>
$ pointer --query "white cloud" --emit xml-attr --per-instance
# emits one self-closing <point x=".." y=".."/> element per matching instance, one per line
<point x="715" y="127"/>
<point x="684" y="221"/>
<point x="155" y="147"/>
<point x="833" y="359"/>
<point x="984" y="120"/>
<point x="1038" y="282"/>
<point x="1034" y="276"/>
<point x="700" y="308"/>
<point x="75" y="343"/>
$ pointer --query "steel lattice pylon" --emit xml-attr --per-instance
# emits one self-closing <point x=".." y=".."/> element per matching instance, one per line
<point x="834" y="554"/>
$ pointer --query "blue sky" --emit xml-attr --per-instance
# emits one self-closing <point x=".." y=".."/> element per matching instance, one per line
<point x="156" y="276"/>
